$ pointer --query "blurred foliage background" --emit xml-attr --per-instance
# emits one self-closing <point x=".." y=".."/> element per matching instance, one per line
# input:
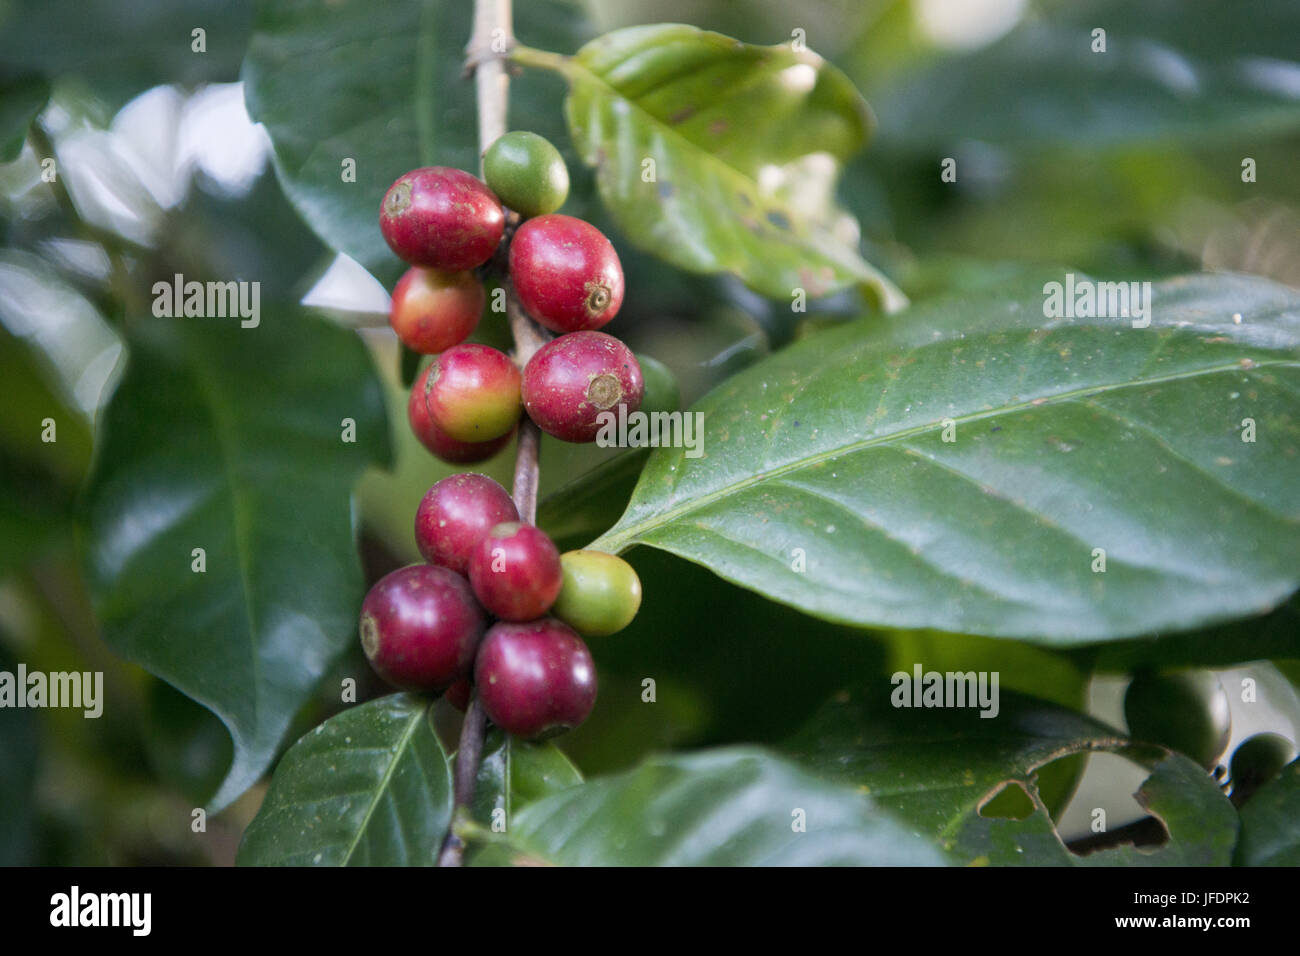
<point x="1127" y="166"/>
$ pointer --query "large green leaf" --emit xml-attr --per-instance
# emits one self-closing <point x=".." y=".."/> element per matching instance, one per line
<point x="1270" y="823"/>
<point x="936" y="768"/>
<point x="370" y="787"/>
<point x="1197" y="69"/>
<point x="747" y="143"/>
<point x="1069" y="435"/>
<point x="231" y="440"/>
<point x="124" y="48"/>
<point x="733" y="807"/>
<point x="384" y="85"/>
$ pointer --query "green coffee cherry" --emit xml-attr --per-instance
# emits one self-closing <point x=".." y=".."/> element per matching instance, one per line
<point x="601" y="593"/>
<point x="1257" y="760"/>
<point x="1185" y="711"/>
<point x="661" y="392"/>
<point x="527" y="173"/>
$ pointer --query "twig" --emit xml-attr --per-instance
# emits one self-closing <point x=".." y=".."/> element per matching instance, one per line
<point x="469" y="757"/>
<point x="488" y="49"/>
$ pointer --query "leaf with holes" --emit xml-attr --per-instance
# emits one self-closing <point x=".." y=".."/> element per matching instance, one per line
<point x="721" y="156"/>
<point x="369" y="787"/>
<point x="218" y="533"/>
<point x="739" y="806"/>
<point x="1270" y="822"/>
<point x="355" y="94"/>
<point x="936" y="768"/>
<point x="972" y="466"/>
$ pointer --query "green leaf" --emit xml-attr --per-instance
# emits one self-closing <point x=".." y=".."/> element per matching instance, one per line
<point x="230" y="440"/>
<point x="383" y="85"/>
<point x="1069" y="435"/>
<point x="935" y="768"/>
<point x="369" y="787"/>
<point x="747" y="143"/>
<point x="121" y="49"/>
<point x="1200" y="821"/>
<point x="515" y="773"/>
<point x="21" y="100"/>
<point x="1270" y="823"/>
<point x="733" y="807"/>
<point x="1193" y="69"/>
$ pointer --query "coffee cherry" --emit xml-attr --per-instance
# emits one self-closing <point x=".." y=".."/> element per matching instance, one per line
<point x="456" y="514"/>
<point x="601" y="593"/>
<point x="572" y="379"/>
<point x="471" y="393"/>
<point x="515" y="571"/>
<point x="458" y="694"/>
<point x="527" y="173"/>
<point x="566" y="273"/>
<point x="442" y="444"/>
<point x="1257" y="760"/>
<point x="433" y="310"/>
<point x="535" y="679"/>
<point x="441" y="217"/>
<point x="1185" y="711"/>
<point x="420" y="626"/>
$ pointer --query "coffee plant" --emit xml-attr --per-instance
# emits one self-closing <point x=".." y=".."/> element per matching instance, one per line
<point x="883" y="455"/>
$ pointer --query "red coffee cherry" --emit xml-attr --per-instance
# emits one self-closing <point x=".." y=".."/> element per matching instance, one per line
<point x="456" y="514"/>
<point x="535" y="679"/>
<point x="470" y="393"/>
<point x="442" y="444"/>
<point x="441" y="217"/>
<point x="515" y="571"/>
<point x="566" y="273"/>
<point x="420" y="626"/>
<point x="433" y="310"/>
<point x="572" y="379"/>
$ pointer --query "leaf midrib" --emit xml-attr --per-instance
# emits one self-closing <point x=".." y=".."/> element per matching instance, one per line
<point x="227" y="442"/>
<point x="412" y="722"/>
<point x="617" y="539"/>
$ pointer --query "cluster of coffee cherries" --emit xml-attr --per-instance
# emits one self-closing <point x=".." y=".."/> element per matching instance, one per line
<point x="497" y="609"/>
<point x="466" y="404"/>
